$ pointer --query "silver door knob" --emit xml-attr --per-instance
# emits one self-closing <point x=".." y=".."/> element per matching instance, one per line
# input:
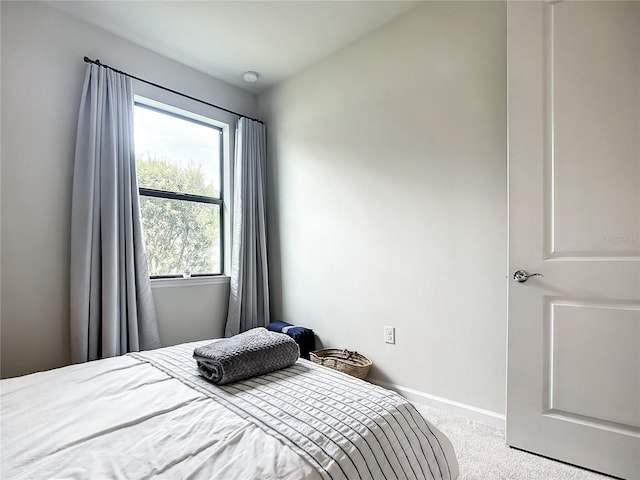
<point x="521" y="276"/>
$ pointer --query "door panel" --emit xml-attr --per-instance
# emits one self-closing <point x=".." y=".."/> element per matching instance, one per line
<point x="594" y="97"/>
<point x="573" y="388"/>
<point x="582" y="373"/>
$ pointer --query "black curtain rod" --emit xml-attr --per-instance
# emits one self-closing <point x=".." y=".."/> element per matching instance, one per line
<point x="97" y="62"/>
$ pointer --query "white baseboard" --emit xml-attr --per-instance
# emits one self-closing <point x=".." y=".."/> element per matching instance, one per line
<point x="474" y="413"/>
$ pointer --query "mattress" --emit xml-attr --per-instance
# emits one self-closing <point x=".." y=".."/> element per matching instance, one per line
<point x="150" y="414"/>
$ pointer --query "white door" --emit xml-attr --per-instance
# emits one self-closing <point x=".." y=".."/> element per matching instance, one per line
<point x="573" y="390"/>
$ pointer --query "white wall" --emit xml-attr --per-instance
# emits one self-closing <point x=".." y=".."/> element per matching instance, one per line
<point x="388" y="200"/>
<point x="42" y="75"/>
<point x="190" y="312"/>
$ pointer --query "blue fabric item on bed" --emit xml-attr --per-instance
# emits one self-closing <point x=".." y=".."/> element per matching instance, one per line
<point x="304" y="337"/>
<point x="248" y="354"/>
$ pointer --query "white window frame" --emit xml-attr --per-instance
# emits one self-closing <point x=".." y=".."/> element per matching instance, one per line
<point x="220" y="120"/>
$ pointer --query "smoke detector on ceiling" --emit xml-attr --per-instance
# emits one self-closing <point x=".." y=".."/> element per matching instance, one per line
<point x="250" y="77"/>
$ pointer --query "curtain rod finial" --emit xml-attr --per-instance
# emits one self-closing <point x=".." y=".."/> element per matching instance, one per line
<point x="95" y="62"/>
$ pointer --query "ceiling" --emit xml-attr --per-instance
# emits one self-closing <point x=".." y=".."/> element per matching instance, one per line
<point x="226" y="38"/>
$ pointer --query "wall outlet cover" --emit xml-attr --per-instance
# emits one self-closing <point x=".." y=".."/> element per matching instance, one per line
<point x="390" y="335"/>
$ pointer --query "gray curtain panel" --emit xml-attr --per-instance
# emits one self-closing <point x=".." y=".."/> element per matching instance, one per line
<point x="249" y="288"/>
<point x="112" y="310"/>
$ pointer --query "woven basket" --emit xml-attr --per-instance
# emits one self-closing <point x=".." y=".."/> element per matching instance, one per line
<point x="343" y="360"/>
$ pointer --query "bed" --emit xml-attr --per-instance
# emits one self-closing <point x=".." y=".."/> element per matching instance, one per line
<point x="150" y="415"/>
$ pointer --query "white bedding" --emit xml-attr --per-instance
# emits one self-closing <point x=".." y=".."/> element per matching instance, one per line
<point x="125" y="418"/>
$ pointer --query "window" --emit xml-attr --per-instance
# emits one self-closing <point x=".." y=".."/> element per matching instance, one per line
<point x="180" y="171"/>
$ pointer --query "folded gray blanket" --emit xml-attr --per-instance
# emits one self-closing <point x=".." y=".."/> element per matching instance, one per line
<point x="254" y="352"/>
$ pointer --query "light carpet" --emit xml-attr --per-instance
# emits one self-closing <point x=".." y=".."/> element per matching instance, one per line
<point x="483" y="454"/>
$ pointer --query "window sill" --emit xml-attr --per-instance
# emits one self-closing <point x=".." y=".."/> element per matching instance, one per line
<point x="189" y="282"/>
